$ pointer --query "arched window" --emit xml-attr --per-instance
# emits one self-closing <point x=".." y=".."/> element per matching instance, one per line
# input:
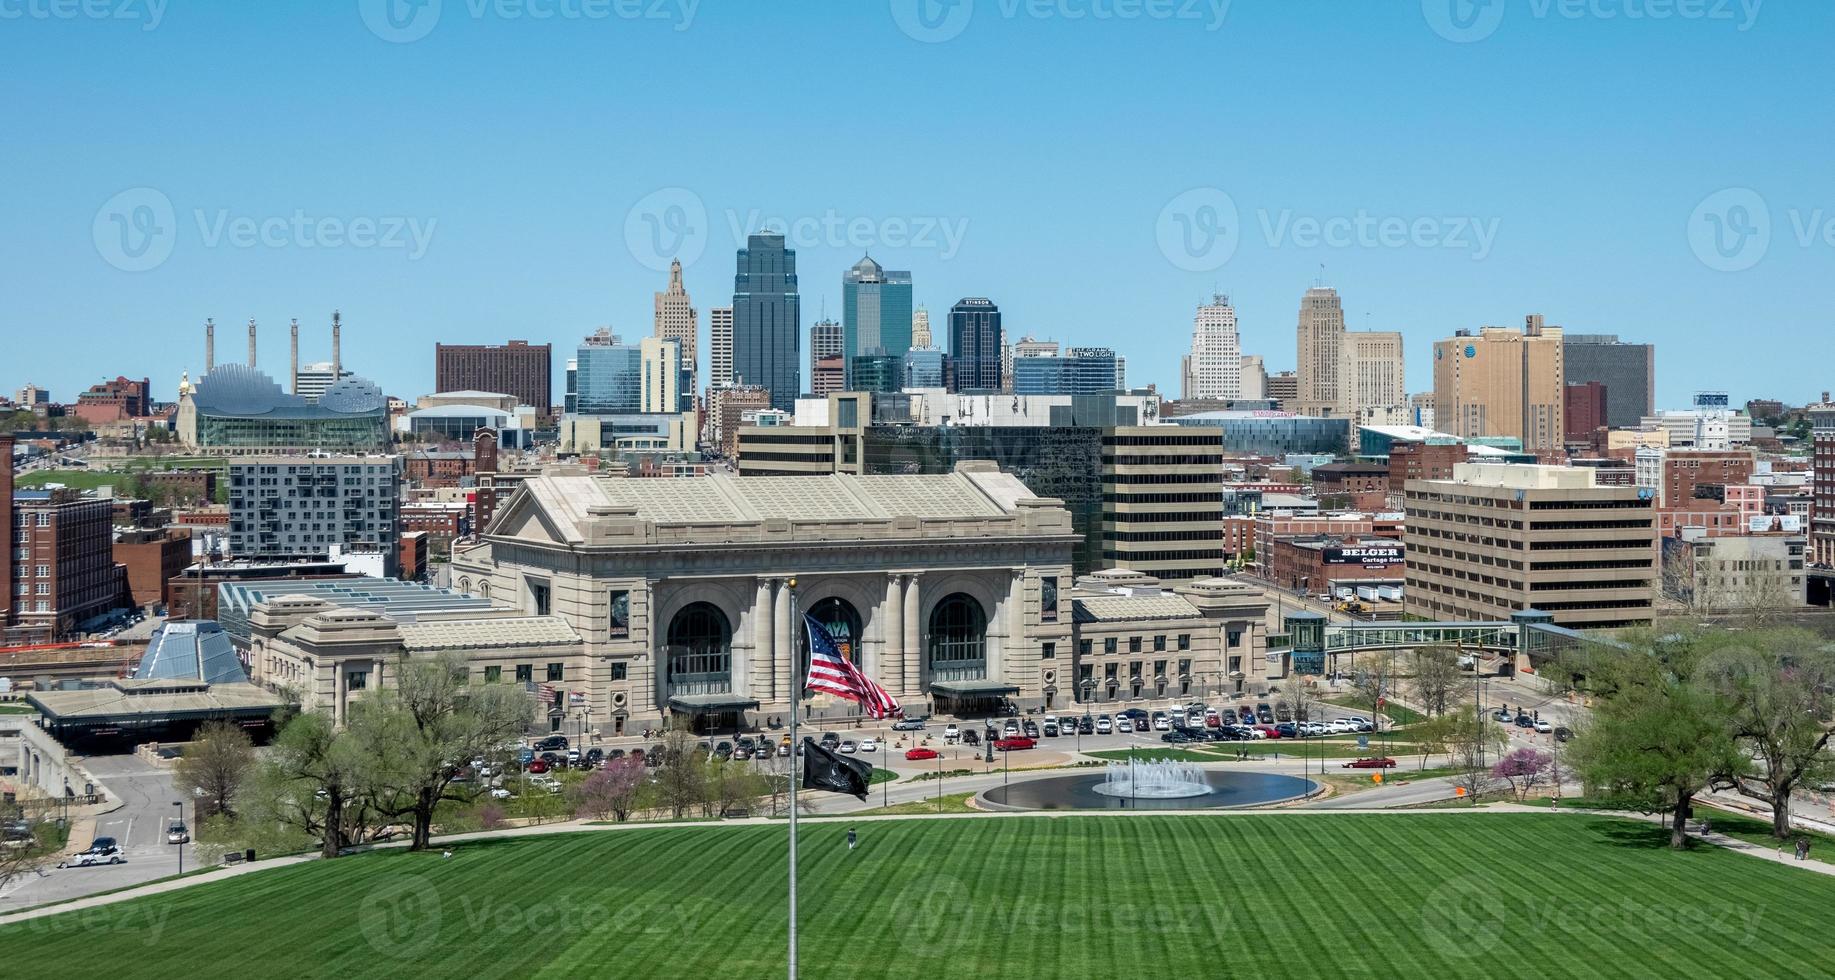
<point x="843" y="624"/>
<point x="484" y="590"/>
<point x="465" y="586"/>
<point x="700" y="651"/>
<point x="958" y="640"/>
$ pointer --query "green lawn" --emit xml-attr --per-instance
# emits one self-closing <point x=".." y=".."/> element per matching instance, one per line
<point x="76" y="479"/>
<point x="1310" y="895"/>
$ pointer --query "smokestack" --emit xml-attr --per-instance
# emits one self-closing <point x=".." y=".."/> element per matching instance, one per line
<point x="210" y="345"/>
<point x="337" y="357"/>
<point x="251" y="341"/>
<point x="296" y="355"/>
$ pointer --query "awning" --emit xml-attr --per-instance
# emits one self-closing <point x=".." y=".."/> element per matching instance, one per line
<point x="973" y="689"/>
<point x="707" y="704"/>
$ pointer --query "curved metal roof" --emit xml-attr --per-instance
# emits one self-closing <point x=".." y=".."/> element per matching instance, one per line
<point x="240" y="391"/>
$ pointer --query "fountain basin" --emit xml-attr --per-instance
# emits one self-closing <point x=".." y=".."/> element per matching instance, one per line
<point x="1223" y="790"/>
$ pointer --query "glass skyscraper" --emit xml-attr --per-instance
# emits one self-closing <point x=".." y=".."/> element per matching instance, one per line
<point x="1078" y="371"/>
<point x="974" y="344"/>
<point x="875" y="313"/>
<point x="767" y="319"/>
<point x="608" y="379"/>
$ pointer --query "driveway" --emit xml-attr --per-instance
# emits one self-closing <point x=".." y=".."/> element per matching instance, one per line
<point x="139" y="824"/>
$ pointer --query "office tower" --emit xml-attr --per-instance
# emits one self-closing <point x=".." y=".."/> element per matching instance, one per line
<point x="720" y="347"/>
<point x="1284" y="387"/>
<point x="767" y="319"/>
<point x="1079" y="371"/>
<point x="1176" y="535"/>
<point x="1373" y="375"/>
<point x="519" y="369"/>
<point x="1216" y="353"/>
<point x="1580" y="551"/>
<point x="920" y="328"/>
<point x="1121" y="372"/>
<point x="1628" y="372"/>
<point x="876" y="372"/>
<point x="975" y="344"/>
<point x="1822" y="482"/>
<point x="1421" y="406"/>
<point x="1503" y="382"/>
<point x="305" y="506"/>
<point x="1321" y="354"/>
<point x="1026" y="346"/>
<point x="663" y="373"/>
<point x="6" y="522"/>
<point x="827" y="376"/>
<point x="875" y="312"/>
<point x="925" y="368"/>
<point x="677" y="320"/>
<point x="1254" y="377"/>
<point x="826" y="341"/>
<point x="311" y="381"/>
<point x="609" y="379"/>
<point x="1585" y="409"/>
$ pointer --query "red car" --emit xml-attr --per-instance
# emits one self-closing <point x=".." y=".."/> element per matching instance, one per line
<point x="919" y="755"/>
<point x="1269" y="730"/>
<point x="1016" y="742"/>
<point x="537" y="766"/>
<point x="1370" y="764"/>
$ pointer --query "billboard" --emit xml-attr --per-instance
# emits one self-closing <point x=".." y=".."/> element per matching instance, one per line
<point x="1369" y="556"/>
<point x="1788" y="523"/>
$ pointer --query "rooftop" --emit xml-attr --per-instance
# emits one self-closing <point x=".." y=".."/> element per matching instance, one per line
<point x="169" y="699"/>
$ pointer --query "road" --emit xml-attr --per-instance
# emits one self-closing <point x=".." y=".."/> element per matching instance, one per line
<point x="146" y="795"/>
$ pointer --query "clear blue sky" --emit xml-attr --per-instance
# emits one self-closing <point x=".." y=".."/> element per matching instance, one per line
<point x="1052" y="144"/>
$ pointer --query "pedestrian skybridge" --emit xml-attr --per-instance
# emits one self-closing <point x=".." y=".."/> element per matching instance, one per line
<point x="1312" y="639"/>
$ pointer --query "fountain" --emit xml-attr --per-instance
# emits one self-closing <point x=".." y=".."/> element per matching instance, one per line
<point x="1155" y="779"/>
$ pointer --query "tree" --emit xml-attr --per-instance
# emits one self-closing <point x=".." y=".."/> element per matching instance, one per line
<point x="1472" y="741"/>
<point x="679" y="781"/>
<point x="611" y="790"/>
<point x="312" y="780"/>
<point x="26" y="845"/>
<point x="1301" y="699"/>
<point x="417" y="736"/>
<point x="1778" y="684"/>
<point x="1436" y="677"/>
<point x="214" y="768"/>
<point x="1524" y="769"/>
<point x="1659" y="735"/>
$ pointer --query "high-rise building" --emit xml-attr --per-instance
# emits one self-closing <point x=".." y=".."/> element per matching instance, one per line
<point x="1628" y="372"/>
<point x="677" y="320"/>
<point x="1321" y="354"/>
<point x="1216" y="353"/>
<point x="1585" y="409"/>
<point x="6" y="527"/>
<point x="312" y="380"/>
<point x="1146" y="525"/>
<point x="826" y="340"/>
<point x="1503" y="382"/>
<point x="720" y="347"/>
<point x="1822" y="482"/>
<point x="112" y="401"/>
<point x="875" y="312"/>
<point x="1581" y="552"/>
<point x="827" y="376"/>
<point x="1284" y="387"/>
<point x="609" y="378"/>
<point x="920" y="328"/>
<point x="307" y="506"/>
<point x="925" y="368"/>
<point x="1079" y="371"/>
<point x="975" y="340"/>
<point x="876" y="372"/>
<point x="63" y="556"/>
<point x="1373" y="375"/>
<point x="517" y="368"/>
<point x="1254" y="378"/>
<point x="667" y="379"/>
<point x="768" y="319"/>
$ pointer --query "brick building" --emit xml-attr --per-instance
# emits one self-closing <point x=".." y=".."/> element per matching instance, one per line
<point x="443" y="523"/>
<point x="112" y="401"/>
<point x="1586" y="410"/>
<point x="1689" y="475"/>
<point x="184" y="486"/>
<point x="517" y="368"/>
<point x="1325" y="563"/>
<point x="1422" y="461"/>
<point x="14" y="538"/>
<point x="413" y="556"/>
<point x="151" y="559"/>
<point x="434" y="469"/>
<point x="1822" y="483"/>
<point x="63" y="563"/>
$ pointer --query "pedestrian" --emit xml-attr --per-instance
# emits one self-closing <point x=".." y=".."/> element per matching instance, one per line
<point x="1806" y="848"/>
<point x="852" y="838"/>
<point x="1802" y="848"/>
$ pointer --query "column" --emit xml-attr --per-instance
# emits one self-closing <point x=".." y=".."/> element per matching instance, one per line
<point x="892" y="637"/>
<point x="785" y="649"/>
<point x="914" y="632"/>
<point x="1010" y="651"/>
<point x="764" y="662"/>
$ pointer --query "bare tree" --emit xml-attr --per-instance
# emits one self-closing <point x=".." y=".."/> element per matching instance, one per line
<point x="1778" y="685"/>
<point x="26" y="846"/>
<point x="1436" y="678"/>
<point x="612" y="790"/>
<point x="679" y="783"/>
<point x="214" y="768"/>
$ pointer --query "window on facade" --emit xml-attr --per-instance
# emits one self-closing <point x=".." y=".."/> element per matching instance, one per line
<point x="1159" y="644"/>
<point x="618" y="671"/>
<point x="700" y="654"/>
<point x="1108" y="644"/>
<point x="493" y="674"/>
<point x="356" y="680"/>
<point x="1085" y="647"/>
<point x="538" y="597"/>
<point x="1235" y="665"/>
<point x="1048" y="599"/>
<point x="1185" y="641"/>
<point x="525" y="673"/>
<point x="1048" y="651"/>
<point x="1234" y="636"/>
<point x="958" y="637"/>
<point x="1134" y="644"/>
<point x="555" y="671"/>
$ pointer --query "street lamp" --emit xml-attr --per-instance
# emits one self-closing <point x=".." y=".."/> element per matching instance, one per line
<point x="178" y="807"/>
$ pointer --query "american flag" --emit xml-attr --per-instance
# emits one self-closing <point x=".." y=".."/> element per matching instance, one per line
<point x="832" y="673"/>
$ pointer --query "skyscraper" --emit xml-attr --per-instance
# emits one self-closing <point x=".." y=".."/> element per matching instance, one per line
<point x="1215" y="369"/>
<point x="720" y="347"/>
<point x="974" y="344"/>
<point x="920" y="328"/>
<point x="1503" y="383"/>
<point x="825" y="341"/>
<point x="1079" y="371"/>
<point x="663" y="375"/>
<point x="609" y="377"/>
<point x="768" y="319"/>
<point x="1321" y="354"/>
<point x="1254" y="377"/>
<point x="677" y="320"/>
<point x="875" y="312"/>
<point x="1628" y="372"/>
<point x="517" y="368"/>
<point x="1373" y="378"/>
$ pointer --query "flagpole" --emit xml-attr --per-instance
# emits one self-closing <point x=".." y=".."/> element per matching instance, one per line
<point x="796" y="748"/>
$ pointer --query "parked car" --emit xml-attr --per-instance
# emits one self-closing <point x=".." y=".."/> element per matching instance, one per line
<point x="1104" y="725"/>
<point x="1138" y="714"/>
<point x="538" y="766"/>
<point x="1524" y="721"/>
<point x="1563" y="734"/>
<point x="869" y="744"/>
<point x="921" y="754"/>
<point x="548" y="783"/>
<point x="1124" y="726"/>
<point x="1016" y="742"/>
<point x="910" y="725"/>
<point x="1379" y="763"/>
<point x="178" y="833"/>
<point x="1051" y="728"/>
<point x="970" y="738"/>
<point x="1264" y="713"/>
<point x="1544" y="727"/>
<point x="1501" y="715"/>
<point x="849" y="746"/>
<point x="1287" y="729"/>
<point x="1030" y="729"/>
<point x="1282" y="712"/>
<point x="830" y="741"/>
<point x="1086" y="725"/>
<point x="552" y="743"/>
<point x="1269" y="731"/>
<point x="1227" y="716"/>
<point x="1010" y="729"/>
<point x="951" y="732"/>
<point x="1360" y="723"/>
<point x="596" y="756"/>
<point x="499" y="793"/>
<point x="783" y="750"/>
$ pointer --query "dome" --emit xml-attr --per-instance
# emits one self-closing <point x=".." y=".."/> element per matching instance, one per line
<point x="353" y="396"/>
